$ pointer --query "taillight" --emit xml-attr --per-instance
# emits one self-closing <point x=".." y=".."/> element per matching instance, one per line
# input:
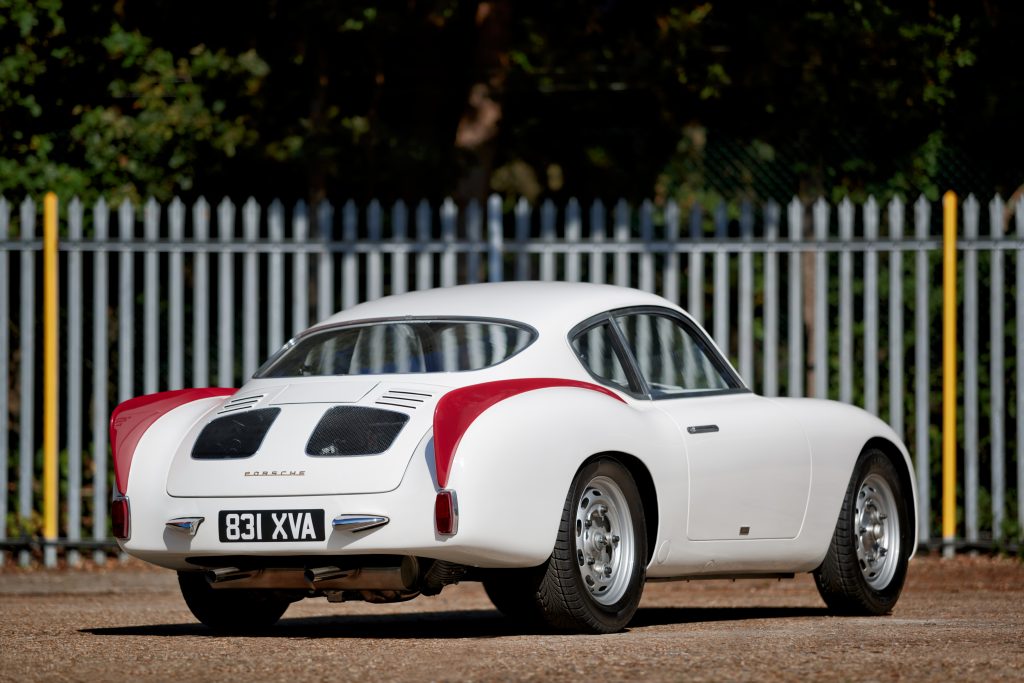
<point x="446" y="513"/>
<point x="120" y="518"/>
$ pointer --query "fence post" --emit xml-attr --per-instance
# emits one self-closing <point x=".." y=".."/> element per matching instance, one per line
<point x="250" y="281"/>
<point x="300" y="270"/>
<point x="424" y="259"/>
<point x="1019" y="263"/>
<point x="151" y="302"/>
<point x="50" y="322"/>
<point x="948" y="373"/>
<point x="175" y="297"/>
<point x="226" y="295"/>
<point x="721" y="295"/>
<point x="795" y="311"/>
<point x="201" y="294"/>
<point x="495" y="232"/>
<point x="846" y="218"/>
<point x="26" y="426"/>
<point x="871" y="350"/>
<point x="275" y="279"/>
<point x="770" y="382"/>
<point x="670" y="279"/>
<point x="922" y="341"/>
<point x="399" y="237"/>
<point x="821" y="327"/>
<point x="573" y="235"/>
<point x="548" y="216"/>
<point x="350" y="270"/>
<point x="896" y="416"/>
<point x="746" y="296"/>
<point x="970" y="376"/>
<point x="997" y="401"/>
<point x="100" y="378"/>
<point x="73" y="395"/>
<point x="695" y="264"/>
<point x="598" y="232"/>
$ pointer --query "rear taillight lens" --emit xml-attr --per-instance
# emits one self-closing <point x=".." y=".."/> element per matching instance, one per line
<point x="446" y="513"/>
<point x="120" y="518"/>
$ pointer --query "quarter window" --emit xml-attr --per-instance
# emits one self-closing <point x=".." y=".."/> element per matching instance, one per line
<point x="596" y="350"/>
<point x="670" y="357"/>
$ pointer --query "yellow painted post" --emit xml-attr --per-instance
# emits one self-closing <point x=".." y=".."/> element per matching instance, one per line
<point x="50" y="323"/>
<point x="949" y="378"/>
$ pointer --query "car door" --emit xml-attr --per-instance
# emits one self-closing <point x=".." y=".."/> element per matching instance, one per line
<point x="748" y="460"/>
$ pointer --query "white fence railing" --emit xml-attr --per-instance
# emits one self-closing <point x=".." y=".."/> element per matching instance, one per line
<point x="839" y="301"/>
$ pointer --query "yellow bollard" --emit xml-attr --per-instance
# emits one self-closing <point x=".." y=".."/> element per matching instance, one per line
<point x="948" y="373"/>
<point x="50" y="322"/>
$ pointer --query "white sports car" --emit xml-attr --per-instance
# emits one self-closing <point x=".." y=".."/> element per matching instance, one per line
<point x="562" y="443"/>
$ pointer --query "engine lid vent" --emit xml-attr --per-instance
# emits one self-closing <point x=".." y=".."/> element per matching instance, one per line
<point x="403" y="398"/>
<point x="240" y="403"/>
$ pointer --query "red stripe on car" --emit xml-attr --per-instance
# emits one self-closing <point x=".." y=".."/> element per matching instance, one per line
<point x="457" y="410"/>
<point x="132" y="418"/>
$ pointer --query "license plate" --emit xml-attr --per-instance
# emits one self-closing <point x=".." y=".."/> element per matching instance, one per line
<point x="237" y="526"/>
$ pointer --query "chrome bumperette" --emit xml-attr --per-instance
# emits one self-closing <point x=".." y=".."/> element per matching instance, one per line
<point x="359" y="522"/>
<point x="188" y="525"/>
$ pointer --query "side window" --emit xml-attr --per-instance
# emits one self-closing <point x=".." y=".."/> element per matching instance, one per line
<point x="669" y="356"/>
<point x="596" y="351"/>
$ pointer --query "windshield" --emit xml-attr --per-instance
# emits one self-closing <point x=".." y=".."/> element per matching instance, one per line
<point x="407" y="346"/>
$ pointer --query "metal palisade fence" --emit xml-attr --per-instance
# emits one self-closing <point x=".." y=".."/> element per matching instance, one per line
<point x="838" y="301"/>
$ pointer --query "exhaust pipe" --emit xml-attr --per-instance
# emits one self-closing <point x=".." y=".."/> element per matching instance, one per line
<point x="318" y="574"/>
<point x="403" y="577"/>
<point x="225" y="574"/>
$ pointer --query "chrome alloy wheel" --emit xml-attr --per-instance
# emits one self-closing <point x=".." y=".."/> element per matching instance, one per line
<point x="877" y="533"/>
<point x="604" y="540"/>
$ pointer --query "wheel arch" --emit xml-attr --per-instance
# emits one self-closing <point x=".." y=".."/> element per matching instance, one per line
<point x="899" y="461"/>
<point x="648" y="492"/>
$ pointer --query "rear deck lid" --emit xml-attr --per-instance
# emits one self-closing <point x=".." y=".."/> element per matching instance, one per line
<point x="310" y="437"/>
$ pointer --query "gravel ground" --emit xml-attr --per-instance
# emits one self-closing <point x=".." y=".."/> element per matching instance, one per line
<point x="959" y="619"/>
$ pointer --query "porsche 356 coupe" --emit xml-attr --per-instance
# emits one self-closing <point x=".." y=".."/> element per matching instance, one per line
<point x="561" y="443"/>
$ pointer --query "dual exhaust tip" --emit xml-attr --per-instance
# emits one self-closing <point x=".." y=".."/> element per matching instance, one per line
<point x="401" y="577"/>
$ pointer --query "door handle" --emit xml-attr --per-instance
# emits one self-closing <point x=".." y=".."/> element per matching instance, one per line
<point x="702" y="429"/>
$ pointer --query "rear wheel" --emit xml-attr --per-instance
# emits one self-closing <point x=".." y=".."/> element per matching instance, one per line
<point x="594" y="578"/>
<point x="866" y="564"/>
<point x="514" y="592"/>
<point x="231" y="609"/>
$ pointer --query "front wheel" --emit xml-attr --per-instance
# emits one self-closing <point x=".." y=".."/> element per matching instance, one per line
<point x="231" y="609"/>
<point x="866" y="564"/>
<point x="595" y="575"/>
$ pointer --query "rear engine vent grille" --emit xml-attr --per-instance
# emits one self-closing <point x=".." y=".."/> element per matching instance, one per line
<point x="234" y="436"/>
<point x="240" y="403"/>
<point x="354" y="430"/>
<point x="403" y="399"/>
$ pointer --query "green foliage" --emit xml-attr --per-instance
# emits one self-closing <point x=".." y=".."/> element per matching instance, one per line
<point x="84" y="111"/>
<point x="692" y="100"/>
<point x="163" y="115"/>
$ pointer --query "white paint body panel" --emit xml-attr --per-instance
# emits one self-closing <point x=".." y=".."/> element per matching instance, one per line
<point x="779" y="466"/>
<point x="753" y="474"/>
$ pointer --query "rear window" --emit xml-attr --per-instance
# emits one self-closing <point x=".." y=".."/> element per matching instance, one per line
<point x="406" y="346"/>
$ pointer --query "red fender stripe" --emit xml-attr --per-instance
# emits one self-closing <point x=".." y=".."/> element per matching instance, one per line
<point x="132" y="418"/>
<point x="457" y="410"/>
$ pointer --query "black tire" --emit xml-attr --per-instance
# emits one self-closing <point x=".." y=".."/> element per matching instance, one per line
<point x="863" y="573"/>
<point x="514" y="592"/>
<point x="566" y="598"/>
<point x="232" y="610"/>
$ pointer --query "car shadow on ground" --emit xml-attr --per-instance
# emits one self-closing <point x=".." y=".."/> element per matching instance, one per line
<point x="454" y="624"/>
